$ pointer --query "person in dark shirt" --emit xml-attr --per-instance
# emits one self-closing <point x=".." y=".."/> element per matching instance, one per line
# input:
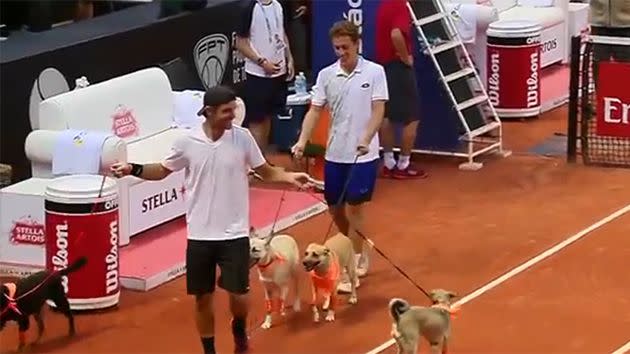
<point x="393" y="51"/>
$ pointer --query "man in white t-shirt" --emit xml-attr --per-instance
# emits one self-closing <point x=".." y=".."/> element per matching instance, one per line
<point x="216" y="157"/>
<point x="268" y="63"/>
<point x="355" y="90"/>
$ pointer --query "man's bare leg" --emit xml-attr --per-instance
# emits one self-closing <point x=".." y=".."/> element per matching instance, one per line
<point x="260" y="130"/>
<point x="239" y="306"/>
<point x="356" y="216"/>
<point x="204" y="318"/>
<point x="403" y="167"/>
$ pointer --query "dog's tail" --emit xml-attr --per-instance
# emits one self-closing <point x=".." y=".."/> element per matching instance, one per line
<point x="74" y="266"/>
<point x="397" y="307"/>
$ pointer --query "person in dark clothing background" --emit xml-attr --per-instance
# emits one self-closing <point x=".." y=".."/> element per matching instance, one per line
<point x="298" y="23"/>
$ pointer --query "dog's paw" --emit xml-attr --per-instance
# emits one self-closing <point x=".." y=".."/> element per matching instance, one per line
<point x="315" y="317"/>
<point x="267" y="323"/>
<point x="353" y="300"/>
<point x="330" y="316"/>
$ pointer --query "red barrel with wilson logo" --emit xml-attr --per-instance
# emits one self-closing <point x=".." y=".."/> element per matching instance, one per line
<point x="82" y="221"/>
<point x="513" y="68"/>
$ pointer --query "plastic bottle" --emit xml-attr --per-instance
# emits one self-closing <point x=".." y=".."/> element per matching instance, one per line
<point x="300" y="84"/>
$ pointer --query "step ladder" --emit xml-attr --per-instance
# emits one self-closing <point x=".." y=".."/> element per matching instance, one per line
<point x="482" y="130"/>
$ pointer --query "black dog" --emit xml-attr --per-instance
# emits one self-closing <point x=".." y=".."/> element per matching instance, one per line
<point x="30" y="294"/>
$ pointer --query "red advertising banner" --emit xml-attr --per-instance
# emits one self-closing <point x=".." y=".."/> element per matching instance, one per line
<point x="613" y="99"/>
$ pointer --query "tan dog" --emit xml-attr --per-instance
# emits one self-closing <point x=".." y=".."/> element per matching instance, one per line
<point x="433" y="323"/>
<point x="277" y="261"/>
<point x="325" y="263"/>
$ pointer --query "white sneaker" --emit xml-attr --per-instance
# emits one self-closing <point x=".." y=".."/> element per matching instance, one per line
<point x="344" y="286"/>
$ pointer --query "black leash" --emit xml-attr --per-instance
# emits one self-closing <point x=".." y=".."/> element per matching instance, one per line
<point x="342" y="195"/>
<point x="404" y="274"/>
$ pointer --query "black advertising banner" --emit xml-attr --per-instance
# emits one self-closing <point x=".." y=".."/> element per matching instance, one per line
<point x="106" y="47"/>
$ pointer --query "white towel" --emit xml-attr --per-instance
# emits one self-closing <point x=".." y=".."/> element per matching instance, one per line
<point x="464" y="16"/>
<point x="78" y="152"/>
<point x="186" y="105"/>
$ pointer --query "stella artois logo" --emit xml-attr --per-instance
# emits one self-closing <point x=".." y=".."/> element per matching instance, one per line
<point x="124" y="123"/>
<point x="27" y="231"/>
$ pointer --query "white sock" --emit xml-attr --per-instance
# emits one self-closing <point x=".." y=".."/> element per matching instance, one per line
<point x="389" y="160"/>
<point x="403" y="162"/>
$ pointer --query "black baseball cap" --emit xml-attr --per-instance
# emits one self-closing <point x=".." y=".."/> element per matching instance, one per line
<point x="215" y="96"/>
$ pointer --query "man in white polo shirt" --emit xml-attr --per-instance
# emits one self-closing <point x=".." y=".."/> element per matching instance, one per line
<point x="355" y="90"/>
<point x="217" y="157"/>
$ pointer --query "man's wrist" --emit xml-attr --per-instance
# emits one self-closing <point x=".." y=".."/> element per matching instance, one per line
<point x="136" y="169"/>
<point x="261" y="60"/>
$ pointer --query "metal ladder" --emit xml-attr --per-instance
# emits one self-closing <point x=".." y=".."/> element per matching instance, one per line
<point x="488" y="137"/>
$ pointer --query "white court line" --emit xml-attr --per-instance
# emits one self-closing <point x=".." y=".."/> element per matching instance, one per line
<point x="521" y="268"/>
<point x="622" y="350"/>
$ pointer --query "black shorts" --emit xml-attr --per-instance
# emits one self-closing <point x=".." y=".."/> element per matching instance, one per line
<point x="264" y="97"/>
<point x="202" y="259"/>
<point x="402" y="105"/>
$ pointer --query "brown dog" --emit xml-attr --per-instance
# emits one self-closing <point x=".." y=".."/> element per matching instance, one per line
<point x="325" y="263"/>
<point x="433" y="323"/>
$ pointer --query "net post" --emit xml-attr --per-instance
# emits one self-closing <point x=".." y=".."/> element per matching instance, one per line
<point x="576" y="43"/>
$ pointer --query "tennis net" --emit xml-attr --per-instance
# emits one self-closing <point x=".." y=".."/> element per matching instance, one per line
<point x="599" y="101"/>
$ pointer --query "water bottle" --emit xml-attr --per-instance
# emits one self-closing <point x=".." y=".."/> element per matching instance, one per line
<point x="300" y="84"/>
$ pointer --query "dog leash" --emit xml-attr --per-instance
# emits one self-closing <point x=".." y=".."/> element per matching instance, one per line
<point x="275" y="220"/>
<point x="388" y="259"/>
<point x="342" y="195"/>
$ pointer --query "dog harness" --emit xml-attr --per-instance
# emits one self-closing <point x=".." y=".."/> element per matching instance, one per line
<point x="326" y="283"/>
<point x="12" y="303"/>
<point x="451" y="310"/>
<point x="274" y="258"/>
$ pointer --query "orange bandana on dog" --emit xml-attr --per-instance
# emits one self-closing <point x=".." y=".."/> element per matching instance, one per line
<point x="327" y="282"/>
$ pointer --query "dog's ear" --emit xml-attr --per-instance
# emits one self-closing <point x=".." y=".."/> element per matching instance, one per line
<point x="452" y="294"/>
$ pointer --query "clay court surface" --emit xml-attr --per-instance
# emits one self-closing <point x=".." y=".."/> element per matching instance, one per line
<point x="456" y="230"/>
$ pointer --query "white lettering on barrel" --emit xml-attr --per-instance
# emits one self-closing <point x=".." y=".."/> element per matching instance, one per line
<point x="532" y="81"/>
<point x="493" y="80"/>
<point x="111" y="277"/>
<point x="612" y="104"/>
<point x="60" y="258"/>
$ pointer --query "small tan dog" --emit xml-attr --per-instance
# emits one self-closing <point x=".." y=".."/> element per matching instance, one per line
<point x="325" y="264"/>
<point x="433" y="323"/>
<point x="277" y="260"/>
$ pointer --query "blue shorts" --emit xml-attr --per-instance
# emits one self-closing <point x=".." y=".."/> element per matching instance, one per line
<point x="360" y="187"/>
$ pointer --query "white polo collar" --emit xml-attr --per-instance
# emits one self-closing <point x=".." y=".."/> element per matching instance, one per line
<point x="357" y="69"/>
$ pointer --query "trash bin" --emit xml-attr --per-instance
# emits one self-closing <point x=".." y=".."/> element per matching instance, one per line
<point x="286" y="127"/>
<point x="513" y="67"/>
<point x="81" y="216"/>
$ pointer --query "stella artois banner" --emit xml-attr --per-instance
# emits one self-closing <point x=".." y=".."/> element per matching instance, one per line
<point x="613" y="99"/>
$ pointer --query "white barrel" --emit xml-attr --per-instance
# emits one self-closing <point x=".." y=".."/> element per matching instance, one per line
<point x="82" y="221"/>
